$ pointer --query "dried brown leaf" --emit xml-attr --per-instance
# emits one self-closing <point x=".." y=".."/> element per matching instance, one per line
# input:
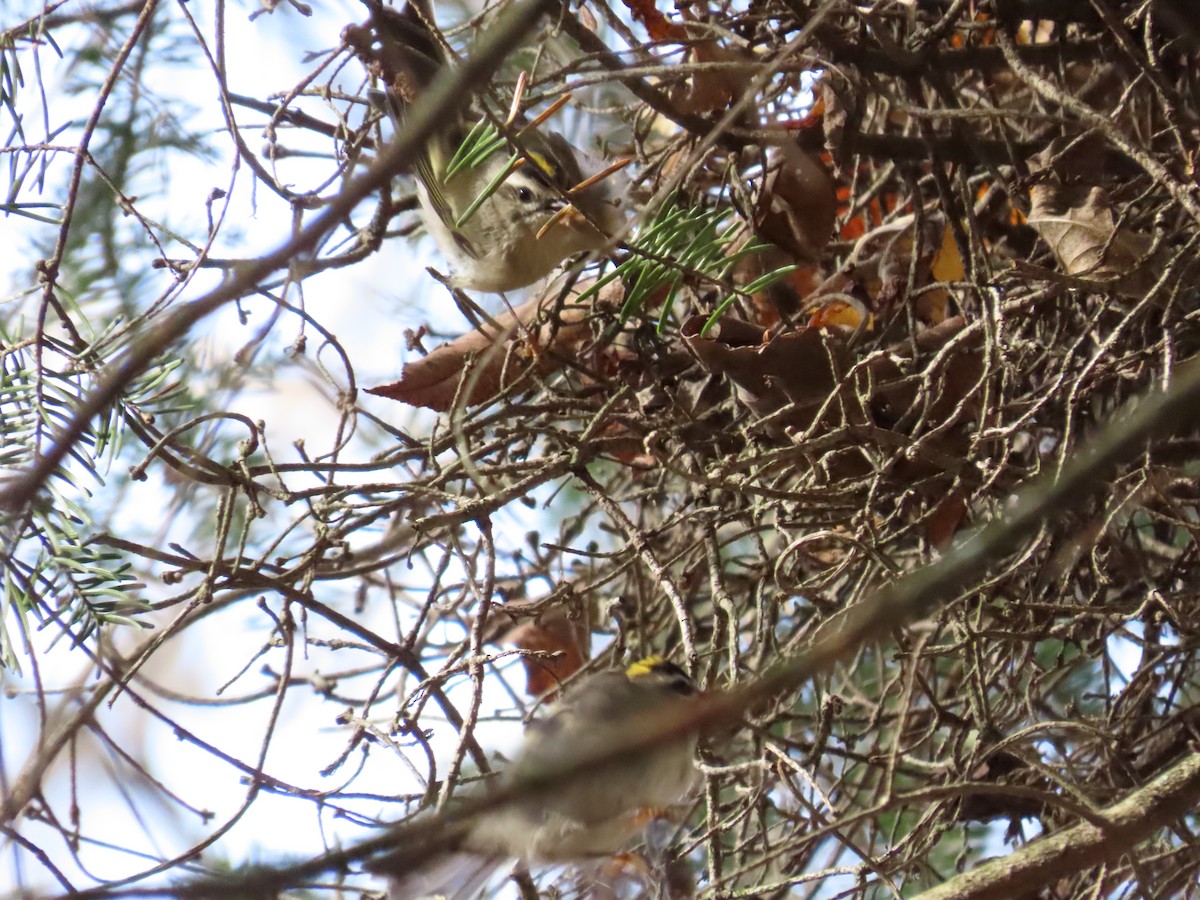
<point x="942" y="524"/>
<point x="797" y="206"/>
<point x="554" y="631"/>
<point x="1079" y="225"/>
<point x="795" y="372"/>
<point x="478" y="365"/>
<point x="712" y="89"/>
<point x="798" y="381"/>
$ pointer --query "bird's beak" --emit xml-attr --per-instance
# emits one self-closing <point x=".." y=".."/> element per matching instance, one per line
<point x="569" y="215"/>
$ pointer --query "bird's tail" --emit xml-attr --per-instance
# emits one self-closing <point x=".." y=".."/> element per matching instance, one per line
<point x="455" y="876"/>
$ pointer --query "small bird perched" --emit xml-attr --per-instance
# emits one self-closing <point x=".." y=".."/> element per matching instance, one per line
<point x="537" y="216"/>
<point x="591" y="815"/>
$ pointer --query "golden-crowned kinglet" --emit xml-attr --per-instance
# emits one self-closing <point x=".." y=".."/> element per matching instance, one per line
<point x="590" y="815"/>
<point x="506" y="241"/>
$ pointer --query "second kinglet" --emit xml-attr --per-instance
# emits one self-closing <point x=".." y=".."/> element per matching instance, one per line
<point x="528" y="223"/>
<point x="592" y="815"/>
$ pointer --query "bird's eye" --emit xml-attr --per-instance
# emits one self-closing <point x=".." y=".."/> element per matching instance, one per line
<point x="679" y="683"/>
<point x="525" y="195"/>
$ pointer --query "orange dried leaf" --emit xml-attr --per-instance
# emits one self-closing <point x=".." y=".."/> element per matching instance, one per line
<point x="656" y="24"/>
<point x="947" y="262"/>
<point x="552" y="632"/>
<point x="810" y="119"/>
<point x="943" y="523"/>
<point x="870" y="216"/>
<point x="837" y="314"/>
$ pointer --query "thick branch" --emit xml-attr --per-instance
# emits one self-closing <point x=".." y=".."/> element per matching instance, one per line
<point x="1137" y="817"/>
<point x="29" y="782"/>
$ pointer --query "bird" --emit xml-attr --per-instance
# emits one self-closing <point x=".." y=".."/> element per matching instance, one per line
<point x="503" y="219"/>
<point x="592" y="815"/>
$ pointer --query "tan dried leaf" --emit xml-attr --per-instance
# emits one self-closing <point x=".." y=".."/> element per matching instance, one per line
<point x="1079" y="224"/>
<point x="1080" y="227"/>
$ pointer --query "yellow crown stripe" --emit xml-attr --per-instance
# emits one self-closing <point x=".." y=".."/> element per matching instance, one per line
<point x="644" y="666"/>
<point x="544" y="164"/>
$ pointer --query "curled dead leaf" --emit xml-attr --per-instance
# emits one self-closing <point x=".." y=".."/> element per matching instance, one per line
<point x="794" y="213"/>
<point x="658" y="26"/>
<point x="943" y="392"/>
<point x="944" y="520"/>
<point x="1080" y="227"/>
